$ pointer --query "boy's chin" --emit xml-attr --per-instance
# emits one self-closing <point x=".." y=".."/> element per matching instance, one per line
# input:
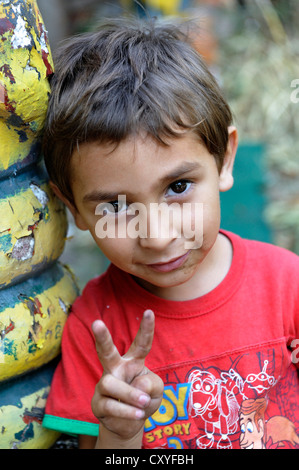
<point x="167" y="280"/>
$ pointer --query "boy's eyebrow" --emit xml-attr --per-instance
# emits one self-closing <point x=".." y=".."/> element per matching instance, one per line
<point x="96" y="196"/>
<point x="178" y="172"/>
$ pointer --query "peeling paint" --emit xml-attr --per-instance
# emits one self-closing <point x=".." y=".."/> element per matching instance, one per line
<point x="20" y="37"/>
<point x="63" y="306"/>
<point x="34" y="309"/>
<point x="22" y="409"/>
<point x="34" y="213"/>
<point x="23" y="248"/>
<point x="40" y="194"/>
<point x="33" y="304"/>
<point x="35" y="290"/>
<point x="6" y="70"/>
<point x="43" y="39"/>
<point x="6" y="330"/>
<point x="26" y="63"/>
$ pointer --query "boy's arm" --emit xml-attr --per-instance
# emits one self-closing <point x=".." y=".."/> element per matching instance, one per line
<point x="106" y="442"/>
<point x="87" y="442"/>
<point x="127" y="393"/>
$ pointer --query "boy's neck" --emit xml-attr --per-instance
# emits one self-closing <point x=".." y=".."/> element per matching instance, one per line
<point x="208" y="276"/>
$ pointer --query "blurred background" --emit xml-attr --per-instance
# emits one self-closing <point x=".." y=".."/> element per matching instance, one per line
<point x="252" y="47"/>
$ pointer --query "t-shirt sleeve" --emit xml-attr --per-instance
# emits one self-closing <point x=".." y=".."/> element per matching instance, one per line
<point x="294" y="337"/>
<point x="291" y="285"/>
<point x="68" y="407"/>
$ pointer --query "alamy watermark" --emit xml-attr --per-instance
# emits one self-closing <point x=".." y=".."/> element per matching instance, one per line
<point x="295" y="94"/>
<point x="295" y="351"/>
<point x="163" y="221"/>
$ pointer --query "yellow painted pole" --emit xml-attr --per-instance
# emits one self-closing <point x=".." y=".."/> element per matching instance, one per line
<point x="36" y="291"/>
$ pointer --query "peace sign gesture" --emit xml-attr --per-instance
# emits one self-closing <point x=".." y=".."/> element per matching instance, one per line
<point x="128" y="392"/>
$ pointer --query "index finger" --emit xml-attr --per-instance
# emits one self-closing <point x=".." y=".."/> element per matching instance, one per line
<point x="106" y="349"/>
<point x="142" y="343"/>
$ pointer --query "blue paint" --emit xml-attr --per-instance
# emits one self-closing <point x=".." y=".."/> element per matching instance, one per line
<point x="31" y="287"/>
<point x="33" y="157"/>
<point x="13" y="391"/>
<point x="25" y="434"/>
<point x="22" y="136"/>
<point x="19" y="182"/>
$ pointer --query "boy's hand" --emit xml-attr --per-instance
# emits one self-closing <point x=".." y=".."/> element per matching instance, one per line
<point x="127" y="392"/>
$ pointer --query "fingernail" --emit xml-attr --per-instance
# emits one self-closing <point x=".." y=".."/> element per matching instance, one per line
<point x="143" y="400"/>
<point x="147" y="313"/>
<point x="139" y="414"/>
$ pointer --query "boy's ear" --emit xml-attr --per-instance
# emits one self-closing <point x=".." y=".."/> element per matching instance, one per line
<point x="226" y="179"/>
<point x="72" y="208"/>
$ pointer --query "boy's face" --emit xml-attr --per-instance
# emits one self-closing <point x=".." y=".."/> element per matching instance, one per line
<point x="139" y="179"/>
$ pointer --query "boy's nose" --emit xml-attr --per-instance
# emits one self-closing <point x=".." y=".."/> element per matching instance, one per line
<point x="160" y="229"/>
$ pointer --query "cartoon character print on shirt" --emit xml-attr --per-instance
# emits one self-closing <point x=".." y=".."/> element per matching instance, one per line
<point x="259" y="433"/>
<point x="224" y="405"/>
<point x="214" y="407"/>
<point x="218" y="408"/>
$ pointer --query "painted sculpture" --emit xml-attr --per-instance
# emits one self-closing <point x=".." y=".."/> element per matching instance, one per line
<point x="36" y="291"/>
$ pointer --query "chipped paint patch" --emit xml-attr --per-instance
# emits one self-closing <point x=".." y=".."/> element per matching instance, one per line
<point x="32" y="319"/>
<point x="34" y="213"/>
<point x="20" y="37"/>
<point x="43" y="39"/>
<point x="26" y="63"/>
<point x="33" y="305"/>
<point x="6" y="330"/>
<point x="40" y="194"/>
<point x="23" y="248"/>
<point x="35" y="290"/>
<point x="63" y="306"/>
<point x="22" y="409"/>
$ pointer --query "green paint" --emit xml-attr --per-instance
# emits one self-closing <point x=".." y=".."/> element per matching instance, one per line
<point x="34" y="126"/>
<point x="9" y="348"/>
<point x="32" y="347"/>
<point x="6" y="243"/>
<point x="58" y="330"/>
<point x="45" y="214"/>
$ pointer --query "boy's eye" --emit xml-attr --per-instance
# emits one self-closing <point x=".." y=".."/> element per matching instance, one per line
<point x="119" y="206"/>
<point x="178" y="187"/>
<point x="114" y="207"/>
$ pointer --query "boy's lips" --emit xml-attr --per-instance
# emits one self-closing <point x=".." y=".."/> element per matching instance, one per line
<point x="169" y="265"/>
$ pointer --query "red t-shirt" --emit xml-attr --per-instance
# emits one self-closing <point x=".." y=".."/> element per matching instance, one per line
<point x="228" y="359"/>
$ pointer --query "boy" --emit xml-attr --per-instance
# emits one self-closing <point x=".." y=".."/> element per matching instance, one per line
<point x="137" y="126"/>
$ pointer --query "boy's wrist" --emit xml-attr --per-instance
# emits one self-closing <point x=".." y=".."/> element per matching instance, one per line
<point x="110" y="440"/>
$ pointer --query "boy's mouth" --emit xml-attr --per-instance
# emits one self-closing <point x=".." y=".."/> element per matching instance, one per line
<point x="169" y="265"/>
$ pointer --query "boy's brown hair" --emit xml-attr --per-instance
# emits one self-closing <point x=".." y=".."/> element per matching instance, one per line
<point x="130" y="76"/>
